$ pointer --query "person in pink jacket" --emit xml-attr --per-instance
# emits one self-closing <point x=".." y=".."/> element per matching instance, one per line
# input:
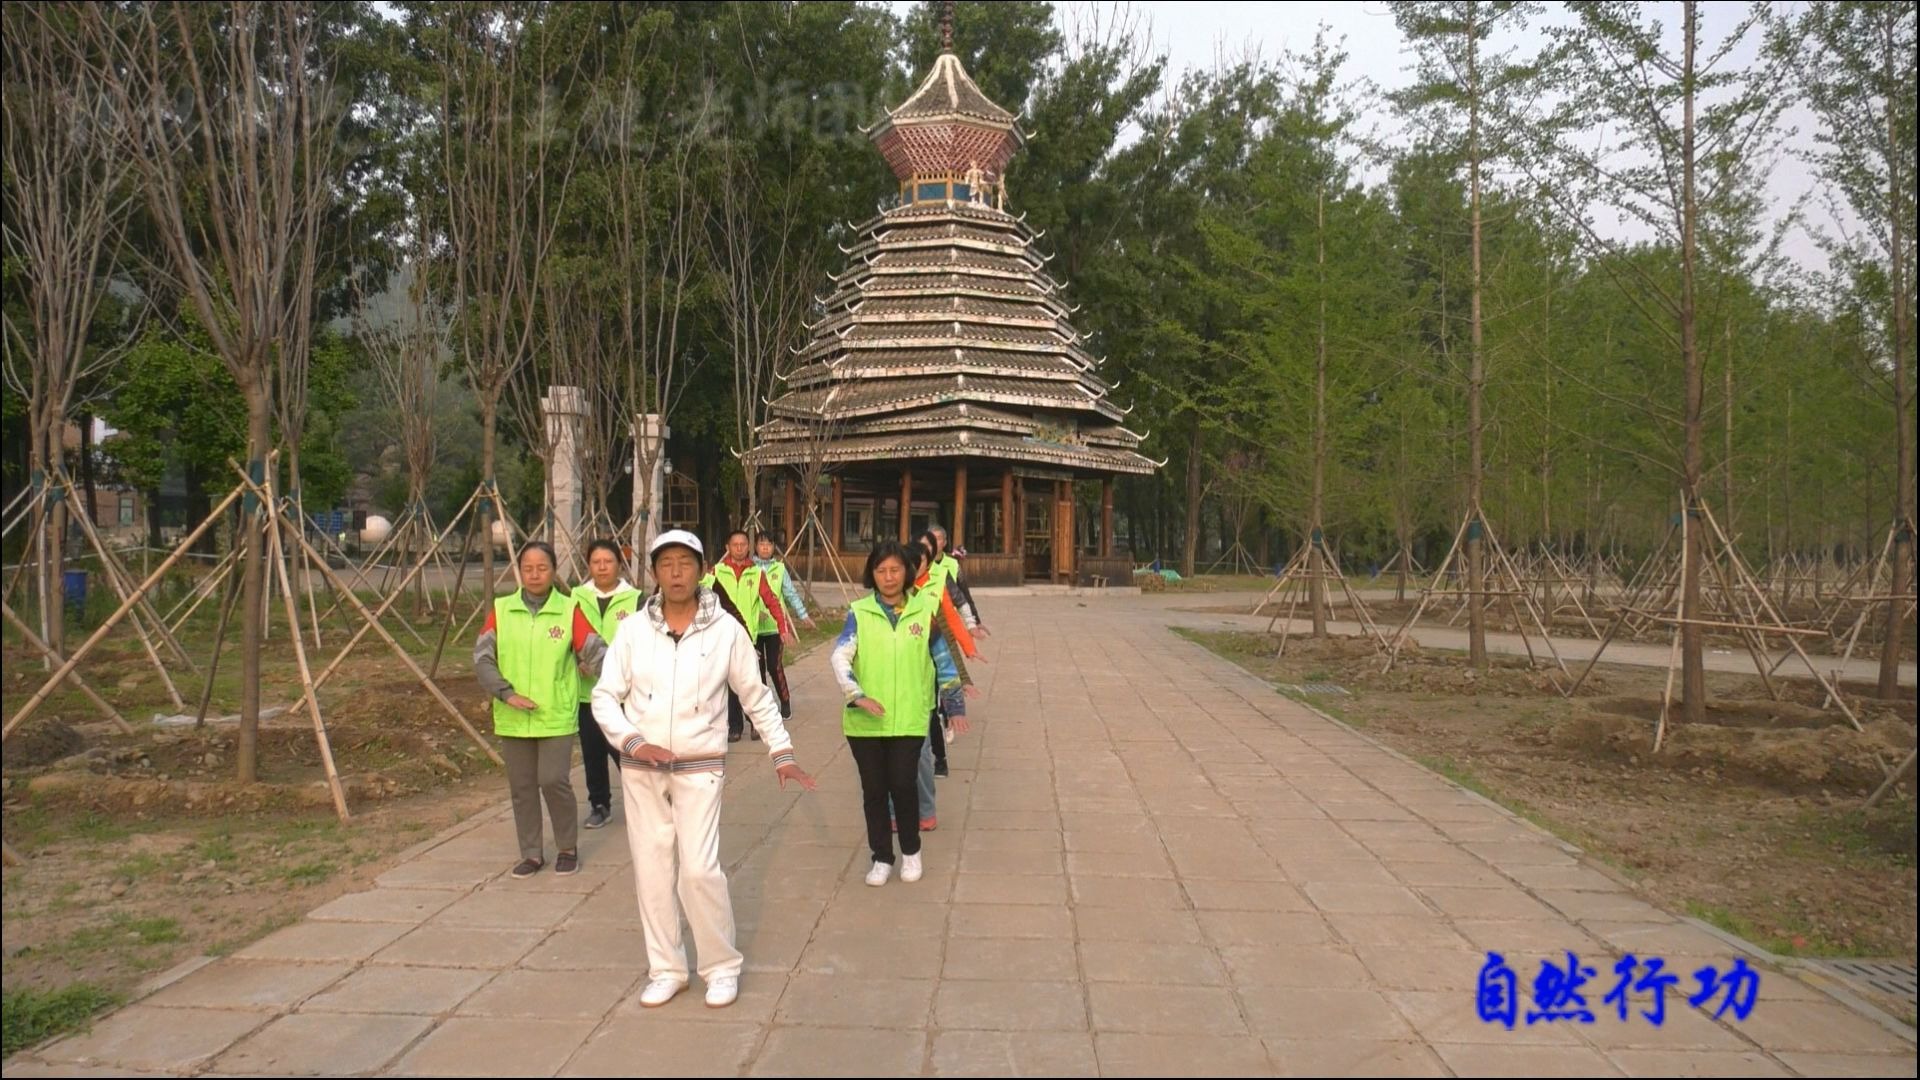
<point x="662" y="700"/>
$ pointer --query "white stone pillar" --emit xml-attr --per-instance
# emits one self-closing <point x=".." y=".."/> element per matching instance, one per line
<point x="650" y="434"/>
<point x="565" y="409"/>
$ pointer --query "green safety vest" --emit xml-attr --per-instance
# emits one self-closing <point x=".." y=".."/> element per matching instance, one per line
<point x="535" y="651"/>
<point x="624" y="603"/>
<point x="939" y="573"/>
<point x="893" y="663"/>
<point x="743" y="589"/>
<point x="776" y="575"/>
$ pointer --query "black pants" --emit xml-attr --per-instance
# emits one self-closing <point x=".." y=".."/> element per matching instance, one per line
<point x="889" y="766"/>
<point x="773" y="672"/>
<point x="596" y="751"/>
<point x="937" y="731"/>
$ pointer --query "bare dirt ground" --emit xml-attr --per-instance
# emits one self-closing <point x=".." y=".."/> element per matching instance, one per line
<point x="1750" y="821"/>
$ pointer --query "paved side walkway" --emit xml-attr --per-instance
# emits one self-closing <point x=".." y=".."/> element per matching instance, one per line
<point x="1148" y="862"/>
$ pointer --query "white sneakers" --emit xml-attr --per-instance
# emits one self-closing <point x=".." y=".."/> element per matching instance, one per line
<point x="878" y="874"/>
<point x="723" y="991"/>
<point x="910" y="868"/>
<point x="661" y="991"/>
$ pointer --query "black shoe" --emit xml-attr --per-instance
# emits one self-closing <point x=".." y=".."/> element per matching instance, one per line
<point x="939" y="768"/>
<point x="754" y="731"/>
<point x="567" y="862"/>
<point x="733" y="736"/>
<point x="598" y="818"/>
<point x="528" y="867"/>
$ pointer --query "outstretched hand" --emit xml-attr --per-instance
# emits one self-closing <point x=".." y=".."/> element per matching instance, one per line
<point x="796" y="774"/>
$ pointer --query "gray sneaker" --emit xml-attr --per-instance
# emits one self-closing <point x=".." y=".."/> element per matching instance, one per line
<point x="597" y="819"/>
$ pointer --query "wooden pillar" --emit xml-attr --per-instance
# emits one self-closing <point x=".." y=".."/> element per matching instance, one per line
<point x="906" y="503"/>
<point x="957" y="535"/>
<point x="833" y="527"/>
<point x="790" y="509"/>
<point x="1106" y="517"/>
<point x="1009" y="528"/>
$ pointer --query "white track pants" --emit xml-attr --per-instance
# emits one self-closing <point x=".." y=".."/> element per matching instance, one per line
<point x="677" y="817"/>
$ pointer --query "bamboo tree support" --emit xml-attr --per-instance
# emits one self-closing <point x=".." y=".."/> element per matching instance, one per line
<point x="459" y="580"/>
<point x="126" y="593"/>
<point x="811" y="529"/>
<point x="380" y="590"/>
<point x="320" y="563"/>
<point x="276" y="553"/>
<point x="1297" y="573"/>
<point x="219" y="643"/>
<point x="40" y="696"/>
<point x="1905" y="770"/>
<point x="1426" y="597"/>
<point x="1766" y="604"/>
<point x="1526" y="596"/>
<point x="120" y="580"/>
<point x="1679" y="628"/>
<point x="200" y="592"/>
<point x="490" y="491"/>
<point x="391" y="599"/>
<point x="55" y="658"/>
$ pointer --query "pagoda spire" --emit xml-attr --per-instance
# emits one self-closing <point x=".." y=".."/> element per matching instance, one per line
<point x="946" y="26"/>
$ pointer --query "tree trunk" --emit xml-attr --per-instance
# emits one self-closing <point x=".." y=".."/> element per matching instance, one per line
<point x="1476" y="372"/>
<point x="1893" y="642"/>
<point x="1191" y="546"/>
<point x="1692" y="636"/>
<point x="489" y="419"/>
<point x="253" y="585"/>
<point x="1316" y="561"/>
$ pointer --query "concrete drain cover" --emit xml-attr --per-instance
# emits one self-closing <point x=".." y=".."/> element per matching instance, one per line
<point x="1321" y="689"/>
<point x="1888" y="977"/>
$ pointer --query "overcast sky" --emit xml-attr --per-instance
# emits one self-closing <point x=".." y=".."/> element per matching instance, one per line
<point x="1199" y="34"/>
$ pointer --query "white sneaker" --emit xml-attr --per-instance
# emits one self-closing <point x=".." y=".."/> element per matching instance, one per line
<point x="910" y="868"/>
<point x="723" y="991"/>
<point x="661" y="991"/>
<point x="879" y="873"/>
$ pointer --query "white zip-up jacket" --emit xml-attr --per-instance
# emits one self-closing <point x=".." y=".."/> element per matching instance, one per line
<point x="654" y="689"/>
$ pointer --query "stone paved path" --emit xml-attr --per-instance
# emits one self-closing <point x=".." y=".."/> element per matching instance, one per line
<point x="1147" y="863"/>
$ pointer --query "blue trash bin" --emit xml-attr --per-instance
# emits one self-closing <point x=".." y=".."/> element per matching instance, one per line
<point x="73" y="586"/>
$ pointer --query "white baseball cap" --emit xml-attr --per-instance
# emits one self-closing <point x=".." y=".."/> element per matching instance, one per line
<point x="676" y="536"/>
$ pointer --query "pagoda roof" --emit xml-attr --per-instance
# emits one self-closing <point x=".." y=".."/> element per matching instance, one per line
<point x="952" y="444"/>
<point x="946" y="126"/>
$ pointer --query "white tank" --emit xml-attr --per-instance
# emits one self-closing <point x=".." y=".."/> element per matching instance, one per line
<point x="377" y="530"/>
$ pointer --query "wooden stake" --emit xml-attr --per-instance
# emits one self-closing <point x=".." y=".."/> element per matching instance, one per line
<point x="55" y="658"/>
<point x="276" y="551"/>
<point x="40" y="696"/>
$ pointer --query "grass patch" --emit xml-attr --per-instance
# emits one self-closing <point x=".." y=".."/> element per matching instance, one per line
<point x="139" y="866"/>
<point x="120" y="931"/>
<point x="308" y="873"/>
<point x="30" y="1016"/>
<point x="1793" y="938"/>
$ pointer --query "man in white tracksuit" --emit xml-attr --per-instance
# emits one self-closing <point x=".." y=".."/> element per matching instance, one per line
<point x="662" y="700"/>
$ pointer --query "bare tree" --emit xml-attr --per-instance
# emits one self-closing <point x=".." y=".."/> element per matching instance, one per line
<point x="230" y="119"/>
<point x="505" y="168"/>
<point x="66" y="212"/>
<point x="766" y="272"/>
<point x="406" y="353"/>
<point x="654" y="204"/>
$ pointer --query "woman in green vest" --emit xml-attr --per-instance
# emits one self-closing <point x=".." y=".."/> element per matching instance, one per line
<point x="889" y="658"/>
<point x="750" y="599"/>
<point x="605" y="598"/>
<point x="766" y="636"/>
<point x="530" y="656"/>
